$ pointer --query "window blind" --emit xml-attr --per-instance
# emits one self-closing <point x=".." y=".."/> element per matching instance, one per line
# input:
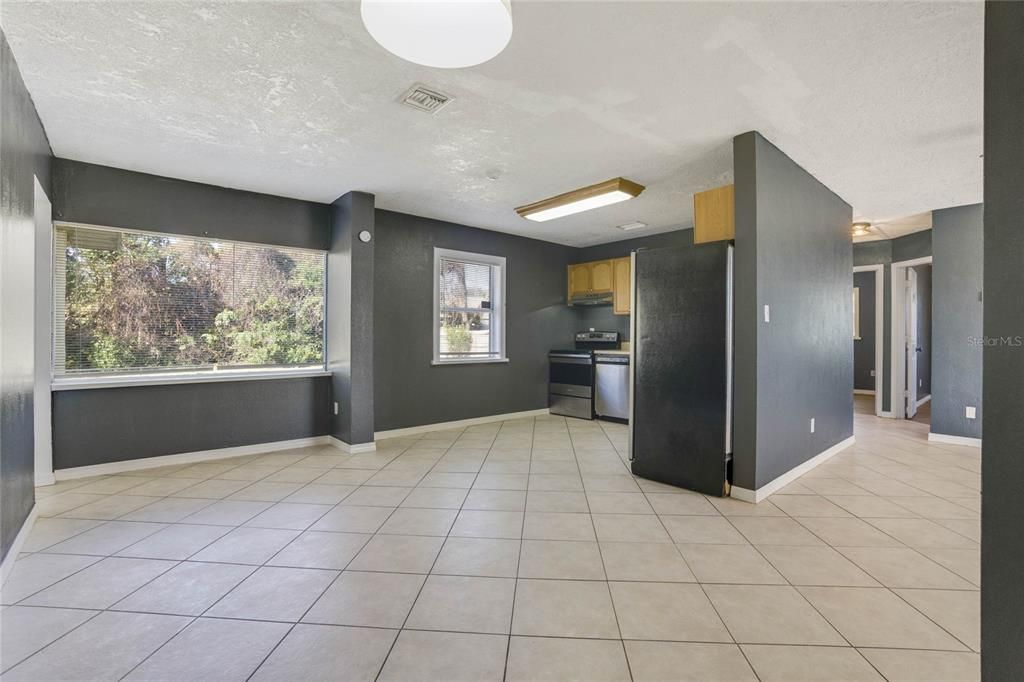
<point x="137" y="302"/>
<point x="466" y="293"/>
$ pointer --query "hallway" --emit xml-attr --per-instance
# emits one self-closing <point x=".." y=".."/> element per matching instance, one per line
<point x="310" y="563"/>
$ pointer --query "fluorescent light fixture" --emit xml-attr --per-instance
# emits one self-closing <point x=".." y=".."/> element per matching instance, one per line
<point x="445" y="34"/>
<point x="635" y="225"/>
<point x="583" y="199"/>
<point x="861" y="229"/>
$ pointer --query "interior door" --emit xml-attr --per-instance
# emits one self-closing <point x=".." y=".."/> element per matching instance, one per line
<point x="912" y="349"/>
<point x="681" y="362"/>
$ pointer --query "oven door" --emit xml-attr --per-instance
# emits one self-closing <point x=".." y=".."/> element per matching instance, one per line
<point x="571" y="374"/>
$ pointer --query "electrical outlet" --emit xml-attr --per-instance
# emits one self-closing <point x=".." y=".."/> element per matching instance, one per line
<point x="812" y="424"/>
<point x="872" y="372"/>
<point x="972" y="412"/>
<point x="335" y="408"/>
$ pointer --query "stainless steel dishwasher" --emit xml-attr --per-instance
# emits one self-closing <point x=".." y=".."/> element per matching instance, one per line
<point x="611" y="385"/>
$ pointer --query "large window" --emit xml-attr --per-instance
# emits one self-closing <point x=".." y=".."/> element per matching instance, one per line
<point x="129" y="302"/>
<point x="469" y="307"/>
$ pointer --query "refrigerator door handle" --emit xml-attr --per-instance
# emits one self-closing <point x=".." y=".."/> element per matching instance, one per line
<point x="633" y="345"/>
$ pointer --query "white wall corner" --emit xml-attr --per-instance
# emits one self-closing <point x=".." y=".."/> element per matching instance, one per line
<point x="353" y="449"/>
<point x="762" y="493"/>
<point x="19" y="542"/>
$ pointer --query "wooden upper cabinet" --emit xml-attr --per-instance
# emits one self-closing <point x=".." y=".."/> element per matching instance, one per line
<point x="601" y="278"/>
<point x="714" y="215"/>
<point x="579" y="279"/>
<point x="623" y="284"/>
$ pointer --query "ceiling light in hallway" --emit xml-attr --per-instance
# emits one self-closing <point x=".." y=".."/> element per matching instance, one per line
<point x="861" y="229"/>
<point x="446" y="34"/>
<point x="582" y="199"/>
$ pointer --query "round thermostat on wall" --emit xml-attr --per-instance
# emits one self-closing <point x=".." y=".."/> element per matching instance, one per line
<point x="365" y="236"/>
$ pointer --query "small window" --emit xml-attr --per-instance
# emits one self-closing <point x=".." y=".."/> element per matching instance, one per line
<point x="469" y="307"/>
<point x="142" y="303"/>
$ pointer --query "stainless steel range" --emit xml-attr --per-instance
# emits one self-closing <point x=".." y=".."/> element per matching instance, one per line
<point x="571" y="374"/>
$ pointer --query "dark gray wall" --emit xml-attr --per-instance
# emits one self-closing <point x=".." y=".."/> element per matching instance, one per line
<point x="602" y="318"/>
<point x="94" y="426"/>
<point x="1002" y="511"/>
<point x="350" y="319"/>
<point x="885" y="252"/>
<point x="99" y="195"/>
<point x="864" y="348"/>
<point x="924" y="330"/>
<point x="24" y="155"/>
<point x="409" y="390"/>
<point x="254" y="412"/>
<point x="793" y="253"/>
<point x="911" y="246"/>
<point x="957" y="312"/>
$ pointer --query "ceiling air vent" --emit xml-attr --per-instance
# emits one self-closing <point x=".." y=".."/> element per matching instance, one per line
<point x="425" y="99"/>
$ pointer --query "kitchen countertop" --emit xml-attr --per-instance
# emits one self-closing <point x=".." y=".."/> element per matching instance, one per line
<point x="611" y="352"/>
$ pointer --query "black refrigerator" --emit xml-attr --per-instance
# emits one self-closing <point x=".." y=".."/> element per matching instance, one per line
<point x="681" y="352"/>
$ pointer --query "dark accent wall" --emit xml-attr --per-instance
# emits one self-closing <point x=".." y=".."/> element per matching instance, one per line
<point x="911" y="246"/>
<point x="350" y="319"/>
<point x="252" y="411"/>
<point x="409" y="390"/>
<point x="957" y="313"/>
<point x="24" y="155"/>
<point x="111" y="197"/>
<point x="924" y="330"/>
<point x="885" y="252"/>
<point x="94" y="426"/>
<point x="793" y="253"/>
<point x="1002" y="510"/>
<point x="864" y="347"/>
<point x="601" y="317"/>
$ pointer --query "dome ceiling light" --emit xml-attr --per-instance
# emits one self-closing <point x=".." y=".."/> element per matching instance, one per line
<point x="861" y="229"/>
<point x="445" y="34"/>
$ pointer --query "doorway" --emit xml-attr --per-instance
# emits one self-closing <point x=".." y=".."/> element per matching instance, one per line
<point x="868" y="337"/>
<point x="911" y="339"/>
<point x="43" y="310"/>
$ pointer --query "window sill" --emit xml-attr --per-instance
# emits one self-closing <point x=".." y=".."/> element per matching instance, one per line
<point x="85" y="382"/>
<point x="469" y="361"/>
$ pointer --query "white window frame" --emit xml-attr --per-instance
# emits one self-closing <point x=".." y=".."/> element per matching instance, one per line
<point x="162" y="376"/>
<point x="498" y="296"/>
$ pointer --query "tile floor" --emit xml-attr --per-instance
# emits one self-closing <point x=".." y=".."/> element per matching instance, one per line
<point x="522" y="550"/>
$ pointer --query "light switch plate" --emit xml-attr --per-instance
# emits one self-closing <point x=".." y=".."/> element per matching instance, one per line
<point x="972" y="412"/>
<point x="767" y="313"/>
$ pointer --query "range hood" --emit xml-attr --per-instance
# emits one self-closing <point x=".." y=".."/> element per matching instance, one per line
<point x="592" y="298"/>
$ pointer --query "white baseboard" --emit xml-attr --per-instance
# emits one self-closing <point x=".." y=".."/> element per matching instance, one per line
<point x="462" y="423"/>
<point x="785" y="479"/>
<point x="19" y="541"/>
<point x="863" y="391"/>
<point x="924" y="400"/>
<point x="45" y="479"/>
<point x="887" y="415"/>
<point x="187" y="458"/>
<point x="954" y="440"/>
<point x="353" y="449"/>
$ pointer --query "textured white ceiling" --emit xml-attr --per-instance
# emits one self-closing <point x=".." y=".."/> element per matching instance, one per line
<point x="898" y="227"/>
<point x="881" y="101"/>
